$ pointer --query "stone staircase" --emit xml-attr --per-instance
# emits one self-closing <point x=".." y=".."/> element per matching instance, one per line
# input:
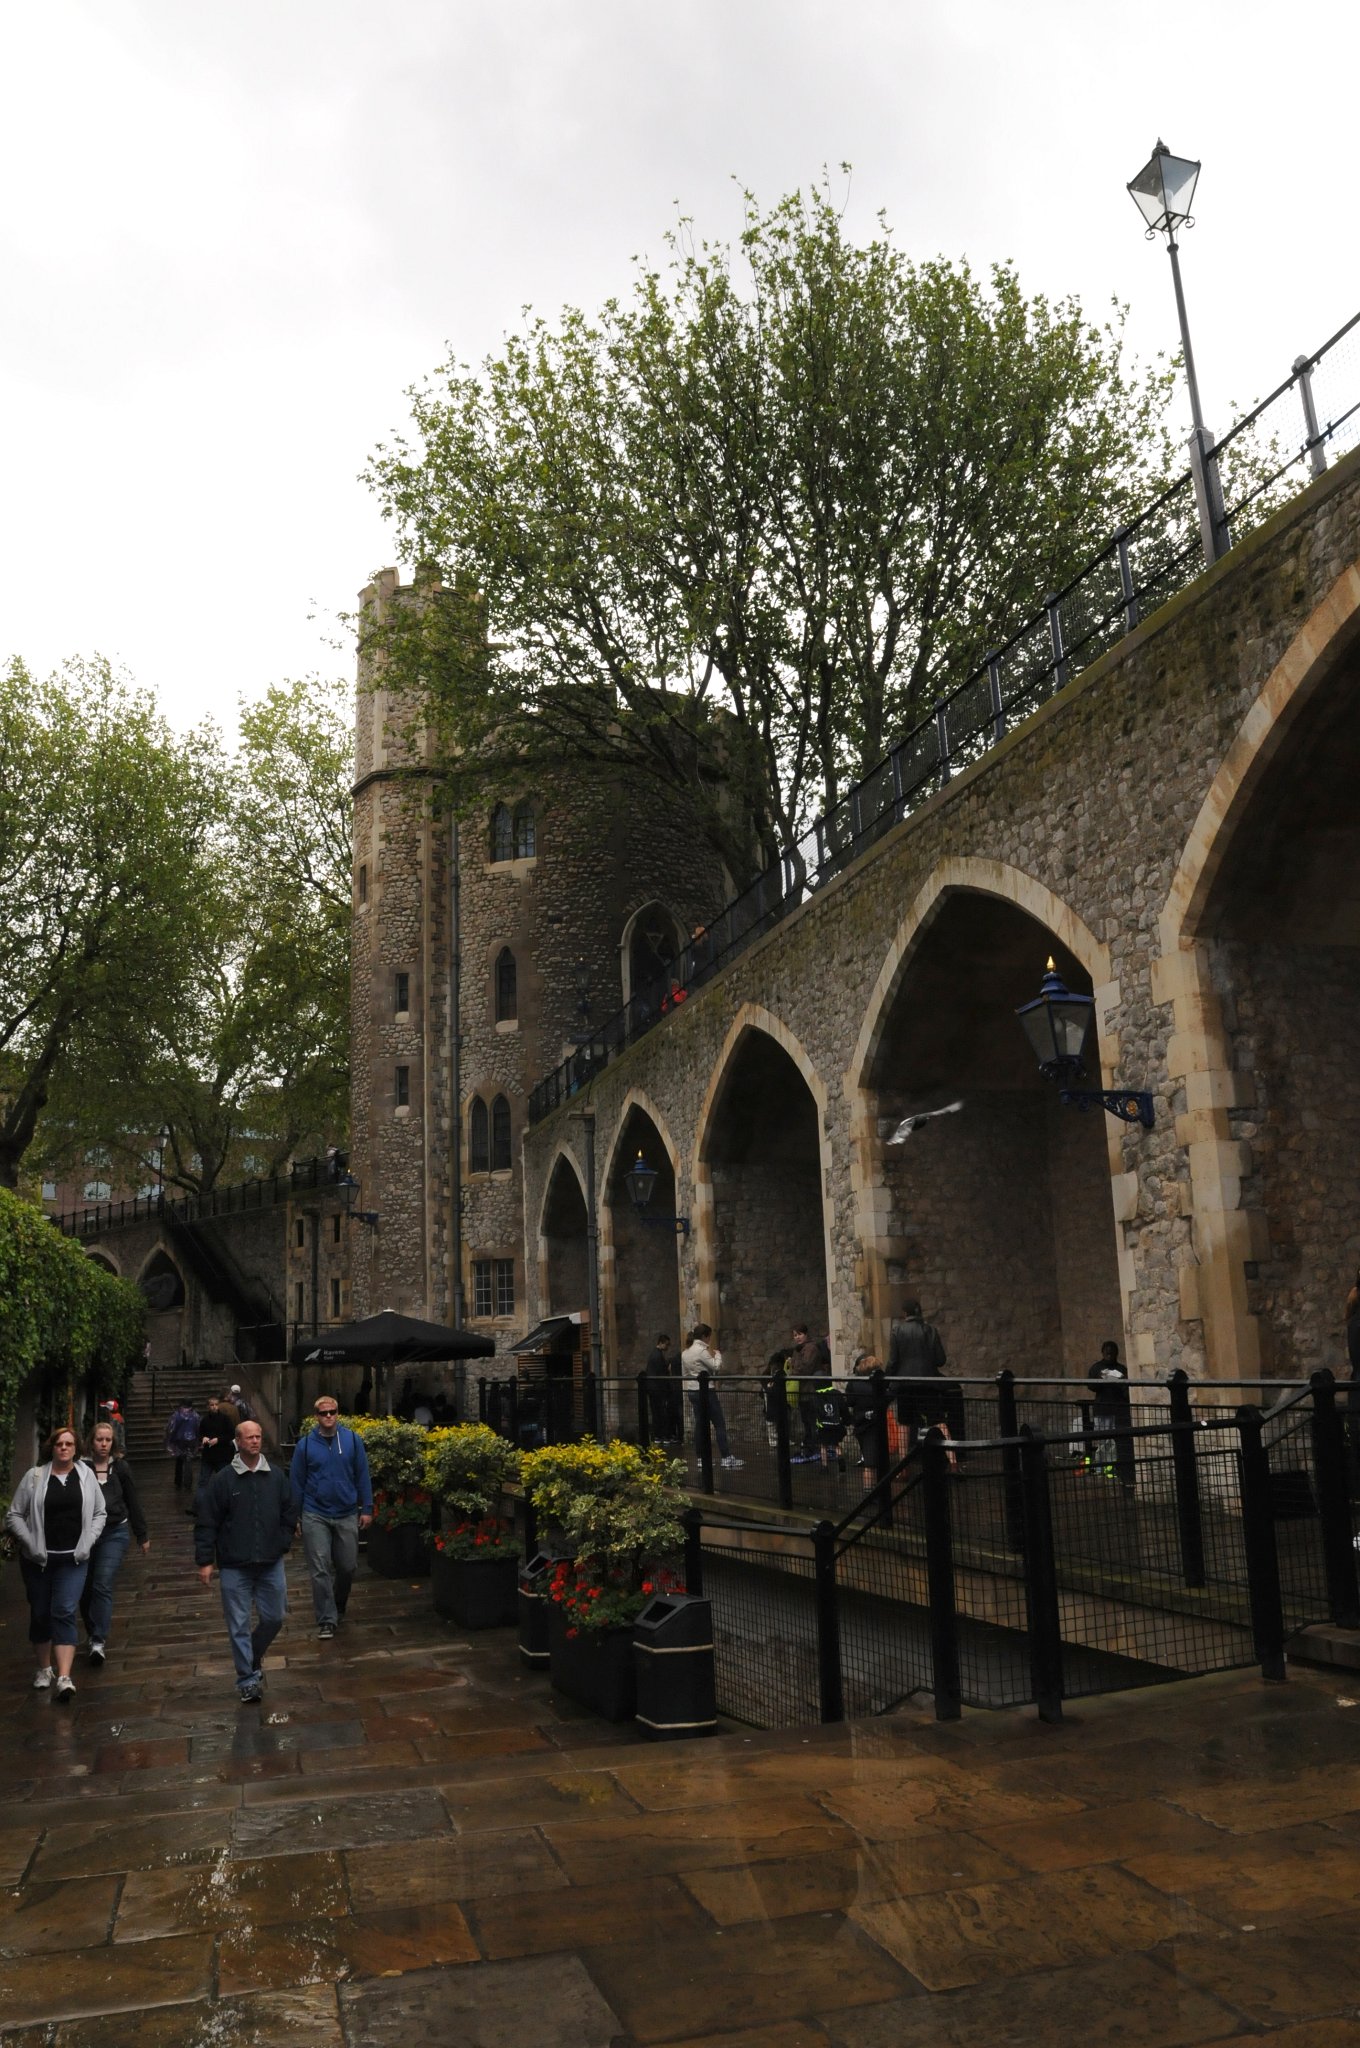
<point x="152" y="1396"/>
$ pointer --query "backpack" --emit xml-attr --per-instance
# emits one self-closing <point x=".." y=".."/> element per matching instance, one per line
<point x="830" y="1407"/>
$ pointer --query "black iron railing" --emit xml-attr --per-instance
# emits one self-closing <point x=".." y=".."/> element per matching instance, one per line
<point x="233" y="1200"/>
<point x="1013" y="1570"/>
<point x="1139" y="568"/>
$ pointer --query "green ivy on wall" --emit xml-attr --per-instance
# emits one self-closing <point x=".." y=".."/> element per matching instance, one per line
<point x="59" y="1311"/>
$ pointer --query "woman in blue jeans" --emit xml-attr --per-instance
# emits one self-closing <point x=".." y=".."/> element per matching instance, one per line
<point x="123" y="1519"/>
<point x="56" y="1517"/>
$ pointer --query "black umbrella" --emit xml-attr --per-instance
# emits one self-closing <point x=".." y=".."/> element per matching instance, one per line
<point x="390" y="1339"/>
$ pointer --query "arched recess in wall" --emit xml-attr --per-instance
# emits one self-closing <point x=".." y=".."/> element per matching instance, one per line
<point x="652" y="936"/>
<point x="563" y="1249"/>
<point x="162" y="1285"/>
<point x="761" y="1173"/>
<point x="100" y="1257"/>
<point x="639" y="1262"/>
<point x="1000" y="1217"/>
<point x="1261" y="964"/>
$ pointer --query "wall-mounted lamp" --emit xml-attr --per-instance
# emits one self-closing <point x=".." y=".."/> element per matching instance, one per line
<point x="1057" y="1024"/>
<point x="640" y="1181"/>
<point x="349" y="1189"/>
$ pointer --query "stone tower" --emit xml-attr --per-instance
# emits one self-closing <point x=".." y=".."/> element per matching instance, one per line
<point x="565" y="893"/>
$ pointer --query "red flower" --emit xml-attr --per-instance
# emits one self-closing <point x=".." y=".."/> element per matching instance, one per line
<point x="647" y="1586"/>
<point x="572" y="1632"/>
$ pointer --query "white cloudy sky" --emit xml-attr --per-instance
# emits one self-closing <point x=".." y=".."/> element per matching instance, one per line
<point x="234" y="230"/>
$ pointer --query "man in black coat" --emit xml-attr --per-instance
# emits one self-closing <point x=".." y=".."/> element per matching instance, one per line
<point x="246" y="1516"/>
<point x="663" y="1392"/>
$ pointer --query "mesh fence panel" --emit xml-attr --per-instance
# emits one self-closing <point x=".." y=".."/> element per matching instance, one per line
<point x="764" y="1634"/>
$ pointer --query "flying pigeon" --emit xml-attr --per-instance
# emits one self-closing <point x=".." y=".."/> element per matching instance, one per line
<point x="913" y="1123"/>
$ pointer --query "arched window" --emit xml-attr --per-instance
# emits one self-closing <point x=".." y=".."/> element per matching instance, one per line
<point x="479" y="1137"/>
<point x="502" y="834"/>
<point x="500" y="1134"/>
<point x="526" y="841"/>
<point x="507" y="987"/>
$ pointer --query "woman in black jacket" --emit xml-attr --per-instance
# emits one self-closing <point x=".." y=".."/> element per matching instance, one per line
<point x="123" y="1519"/>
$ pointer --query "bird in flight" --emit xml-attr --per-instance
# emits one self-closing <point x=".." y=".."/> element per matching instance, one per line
<point x="924" y="1116"/>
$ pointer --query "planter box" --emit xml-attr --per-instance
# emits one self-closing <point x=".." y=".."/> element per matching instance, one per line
<point x="594" y="1667"/>
<point x="476" y="1592"/>
<point x="401" y="1553"/>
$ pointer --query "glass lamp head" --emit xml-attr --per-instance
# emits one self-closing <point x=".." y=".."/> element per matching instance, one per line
<point x="1056" y="1024"/>
<point x="1164" y="190"/>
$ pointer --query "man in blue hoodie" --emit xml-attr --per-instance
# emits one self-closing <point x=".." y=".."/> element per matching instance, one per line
<point x="330" y="1477"/>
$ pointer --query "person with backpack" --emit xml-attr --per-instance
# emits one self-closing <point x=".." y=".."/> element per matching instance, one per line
<point x="329" y="1476"/>
<point x="833" y="1419"/>
<point x="182" y="1435"/>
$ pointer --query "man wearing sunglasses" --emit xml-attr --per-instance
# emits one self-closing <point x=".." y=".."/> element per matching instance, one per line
<point x="330" y="1477"/>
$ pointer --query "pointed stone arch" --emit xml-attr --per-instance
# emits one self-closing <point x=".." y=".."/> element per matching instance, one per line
<point x="562" y="1227"/>
<point x="640" y="1282"/>
<point x="99" y="1255"/>
<point x="754" y="1022"/>
<point x="875" y="1198"/>
<point x="1230" y="1236"/>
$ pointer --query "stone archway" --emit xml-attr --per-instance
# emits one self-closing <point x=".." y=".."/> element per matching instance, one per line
<point x="1260" y="961"/>
<point x="1001" y="1218"/>
<point x="162" y="1284"/>
<point x="760" y="1178"/>
<point x="639" y="1262"/>
<point x="564" y="1253"/>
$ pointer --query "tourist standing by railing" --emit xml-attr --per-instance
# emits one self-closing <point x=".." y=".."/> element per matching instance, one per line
<point x="697" y="1357"/>
<point x="56" y="1517"/>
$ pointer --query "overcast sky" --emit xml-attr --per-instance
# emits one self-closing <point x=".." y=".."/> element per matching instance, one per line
<point x="234" y="233"/>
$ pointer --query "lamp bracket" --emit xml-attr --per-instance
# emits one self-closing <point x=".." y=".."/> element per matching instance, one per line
<point x="368" y="1217"/>
<point x="1130" y="1105"/>
<point x="664" y="1219"/>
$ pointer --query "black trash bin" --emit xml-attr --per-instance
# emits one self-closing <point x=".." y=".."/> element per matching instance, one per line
<point x="532" y="1606"/>
<point x="673" y="1657"/>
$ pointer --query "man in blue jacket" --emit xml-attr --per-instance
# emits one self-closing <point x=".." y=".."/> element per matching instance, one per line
<point x="330" y="1478"/>
<point x="245" y="1518"/>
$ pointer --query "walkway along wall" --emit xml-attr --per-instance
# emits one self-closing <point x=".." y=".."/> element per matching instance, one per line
<point x="1174" y="827"/>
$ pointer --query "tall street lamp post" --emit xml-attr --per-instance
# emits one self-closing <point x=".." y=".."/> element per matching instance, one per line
<point x="1163" y="192"/>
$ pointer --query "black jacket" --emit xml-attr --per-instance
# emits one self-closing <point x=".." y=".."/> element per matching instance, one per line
<point x="122" y="1503"/>
<point x="219" y="1438"/>
<point x="244" y="1518"/>
<point x="915" y="1352"/>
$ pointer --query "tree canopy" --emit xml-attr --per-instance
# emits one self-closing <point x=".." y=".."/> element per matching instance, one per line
<point x="103" y="813"/>
<point x="738" y="530"/>
<point x="175" y="929"/>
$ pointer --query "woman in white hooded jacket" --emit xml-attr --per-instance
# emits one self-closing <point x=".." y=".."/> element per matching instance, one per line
<point x="694" y="1359"/>
<point x="56" y="1517"/>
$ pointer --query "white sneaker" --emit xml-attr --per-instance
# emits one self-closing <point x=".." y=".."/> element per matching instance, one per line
<point x="97" y="1652"/>
<point x="42" y="1678"/>
<point x="733" y="1464"/>
<point x="66" y="1688"/>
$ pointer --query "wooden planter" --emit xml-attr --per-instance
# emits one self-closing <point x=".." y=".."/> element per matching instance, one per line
<point x="476" y="1592"/>
<point x="400" y="1553"/>
<point x="594" y="1667"/>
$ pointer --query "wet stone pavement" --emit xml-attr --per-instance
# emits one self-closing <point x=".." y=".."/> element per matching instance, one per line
<point x="412" y="1841"/>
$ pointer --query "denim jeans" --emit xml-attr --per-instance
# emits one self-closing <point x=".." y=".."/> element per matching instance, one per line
<point x="106" y="1561"/>
<point x="716" y="1417"/>
<point x="331" y="1544"/>
<point x="264" y="1584"/>
<point x="54" y="1591"/>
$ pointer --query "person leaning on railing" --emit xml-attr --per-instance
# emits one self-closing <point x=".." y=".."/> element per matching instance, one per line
<point x="694" y="1359"/>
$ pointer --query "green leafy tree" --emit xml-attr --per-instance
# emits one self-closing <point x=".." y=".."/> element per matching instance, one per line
<point x="248" y="1062"/>
<point x="735" y="532"/>
<point x="103" y="813"/>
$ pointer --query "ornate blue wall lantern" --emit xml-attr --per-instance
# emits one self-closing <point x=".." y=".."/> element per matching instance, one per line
<point x="1057" y="1025"/>
<point x="640" y="1181"/>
